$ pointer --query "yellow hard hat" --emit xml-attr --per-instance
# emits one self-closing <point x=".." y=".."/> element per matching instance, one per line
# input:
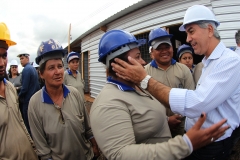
<point x="5" y="34"/>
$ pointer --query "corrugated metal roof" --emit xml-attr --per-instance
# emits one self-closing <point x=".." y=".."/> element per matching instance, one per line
<point x="119" y="14"/>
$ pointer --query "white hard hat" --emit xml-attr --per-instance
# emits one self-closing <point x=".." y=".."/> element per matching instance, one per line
<point x="13" y="63"/>
<point x="35" y="65"/>
<point x="198" y="13"/>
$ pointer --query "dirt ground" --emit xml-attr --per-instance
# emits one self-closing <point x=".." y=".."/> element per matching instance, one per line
<point x="234" y="156"/>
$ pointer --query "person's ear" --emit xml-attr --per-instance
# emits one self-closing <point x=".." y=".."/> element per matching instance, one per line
<point x="210" y="30"/>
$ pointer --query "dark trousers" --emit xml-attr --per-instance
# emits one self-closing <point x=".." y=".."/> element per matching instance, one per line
<point x="25" y="116"/>
<point x="220" y="150"/>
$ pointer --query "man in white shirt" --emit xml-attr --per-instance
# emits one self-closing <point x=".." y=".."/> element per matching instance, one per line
<point x="218" y="89"/>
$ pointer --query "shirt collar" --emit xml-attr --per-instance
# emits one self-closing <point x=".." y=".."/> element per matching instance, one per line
<point x="4" y="81"/>
<point x="217" y="53"/>
<point x="121" y="86"/>
<point x="153" y="63"/>
<point x="70" y="72"/>
<point x="47" y="99"/>
<point x="192" y="68"/>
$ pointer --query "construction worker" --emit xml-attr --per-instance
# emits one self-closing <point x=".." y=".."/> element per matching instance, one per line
<point x="58" y="118"/>
<point x="166" y="70"/>
<point x="14" y="75"/>
<point x="128" y="122"/>
<point x="29" y="85"/>
<point x="217" y="92"/>
<point x="72" y="76"/>
<point x="15" y="141"/>
<point x="185" y="56"/>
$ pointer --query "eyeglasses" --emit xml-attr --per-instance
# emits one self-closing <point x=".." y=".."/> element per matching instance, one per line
<point x="14" y="66"/>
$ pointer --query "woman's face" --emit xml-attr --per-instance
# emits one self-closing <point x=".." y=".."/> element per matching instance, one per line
<point x="135" y="54"/>
<point x="187" y="59"/>
<point x="14" y="69"/>
<point x="53" y="73"/>
<point x="73" y="64"/>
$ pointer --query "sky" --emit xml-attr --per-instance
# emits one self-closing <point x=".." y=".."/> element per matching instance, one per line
<point x="32" y="21"/>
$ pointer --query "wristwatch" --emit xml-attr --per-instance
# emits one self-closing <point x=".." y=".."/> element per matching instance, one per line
<point x="144" y="82"/>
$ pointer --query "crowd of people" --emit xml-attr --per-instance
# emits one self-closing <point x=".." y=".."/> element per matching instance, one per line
<point x="166" y="109"/>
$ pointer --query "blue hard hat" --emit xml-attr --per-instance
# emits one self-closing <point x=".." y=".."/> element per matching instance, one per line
<point x="158" y="33"/>
<point x="183" y="48"/>
<point x="48" y="47"/>
<point x="115" y="39"/>
<point x="71" y="56"/>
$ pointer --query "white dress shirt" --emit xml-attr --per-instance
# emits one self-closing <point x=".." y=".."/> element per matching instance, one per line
<point x="237" y="50"/>
<point x="217" y="92"/>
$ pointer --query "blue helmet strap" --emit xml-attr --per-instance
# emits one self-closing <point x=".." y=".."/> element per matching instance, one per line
<point x="120" y="51"/>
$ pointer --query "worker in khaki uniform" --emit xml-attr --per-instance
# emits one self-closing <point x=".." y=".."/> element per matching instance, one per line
<point x="72" y="77"/>
<point x="58" y="119"/>
<point x="128" y="122"/>
<point x="15" y="141"/>
<point x="169" y="72"/>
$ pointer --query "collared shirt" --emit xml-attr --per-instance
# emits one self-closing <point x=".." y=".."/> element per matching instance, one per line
<point x="76" y="82"/>
<point x="237" y="50"/>
<point x="126" y="121"/>
<point x="29" y="82"/>
<point x="60" y="132"/>
<point x="15" y="141"/>
<point x="153" y="63"/>
<point x="177" y="75"/>
<point x="217" y="92"/>
<point x="193" y="68"/>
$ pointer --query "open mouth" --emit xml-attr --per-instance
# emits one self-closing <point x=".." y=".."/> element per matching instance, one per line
<point x="2" y="71"/>
<point x="58" y="78"/>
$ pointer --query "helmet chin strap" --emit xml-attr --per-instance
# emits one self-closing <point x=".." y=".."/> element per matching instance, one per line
<point x="120" y="51"/>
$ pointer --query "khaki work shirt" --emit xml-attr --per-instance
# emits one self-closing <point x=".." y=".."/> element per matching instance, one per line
<point x="129" y="124"/>
<point x="60" y="133"/>
<point x="76" y="82"/>
<point x="177" y="75"/>
<point x="15" y="141"/>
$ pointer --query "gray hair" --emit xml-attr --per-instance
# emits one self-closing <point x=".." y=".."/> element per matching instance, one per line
<point x="204" y="24"/>
<point x="237" y="37"/>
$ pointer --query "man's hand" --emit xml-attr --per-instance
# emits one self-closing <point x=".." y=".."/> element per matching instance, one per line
<point x="174" y="120"/>
<point x="95" y="147"/>
<point x="201" y="137"/>
<point x="96" y="151"/>
<point x="134" y="73"/>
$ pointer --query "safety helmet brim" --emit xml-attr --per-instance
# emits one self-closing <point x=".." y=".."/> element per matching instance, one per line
<point x="13" y="63"/>
<point x="72" y="55"/>
<point x="184" y="48"/>
<point x="61" y="51"/>
<point x="139" y="43"/>
<point x="165" y="36"/>
<point x="9" y="42"/>
<point x="182" y="27"/>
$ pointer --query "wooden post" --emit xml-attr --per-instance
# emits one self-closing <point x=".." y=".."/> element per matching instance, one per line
<point x="69" y="35"/>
